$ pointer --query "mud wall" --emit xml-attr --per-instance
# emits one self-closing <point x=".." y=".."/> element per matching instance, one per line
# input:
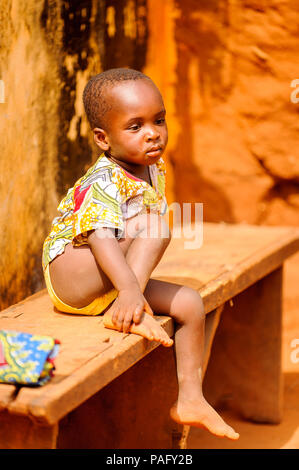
<point x="48" y="50"/>
<point x="224" y="68"/>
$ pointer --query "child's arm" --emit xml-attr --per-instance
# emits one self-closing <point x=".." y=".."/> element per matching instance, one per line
<point x="130" y="303"/>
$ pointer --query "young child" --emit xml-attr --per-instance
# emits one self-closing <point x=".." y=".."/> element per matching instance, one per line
<point x="110" y="235"/>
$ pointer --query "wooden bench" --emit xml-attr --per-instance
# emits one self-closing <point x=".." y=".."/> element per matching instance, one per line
<point x="113" y="390"/>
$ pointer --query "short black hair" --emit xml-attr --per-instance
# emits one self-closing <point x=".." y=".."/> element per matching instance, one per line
<point x="95" y="102"/>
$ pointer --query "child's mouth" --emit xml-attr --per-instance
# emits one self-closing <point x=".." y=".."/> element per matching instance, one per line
<point x="154" y="151"/>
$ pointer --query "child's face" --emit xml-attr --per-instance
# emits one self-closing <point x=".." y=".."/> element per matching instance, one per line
<point x="136" y="128"/>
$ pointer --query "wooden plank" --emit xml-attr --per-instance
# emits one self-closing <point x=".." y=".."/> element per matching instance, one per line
<point x="81" y="337"/>
<point x="224" y="246"/>
<point x="53" y="401"/>
<point x="248" y="254"/>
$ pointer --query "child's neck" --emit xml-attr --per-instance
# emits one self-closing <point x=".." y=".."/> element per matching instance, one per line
<point x="140" y="171"/>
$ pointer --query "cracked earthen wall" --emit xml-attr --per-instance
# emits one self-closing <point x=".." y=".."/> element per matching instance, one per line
<point x="224" y="68"/>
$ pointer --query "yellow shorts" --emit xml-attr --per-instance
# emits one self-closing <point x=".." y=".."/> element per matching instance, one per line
<point x="94" y="308"/>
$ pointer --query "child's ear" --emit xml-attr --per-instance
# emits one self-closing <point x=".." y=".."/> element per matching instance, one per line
<point x="101" y="138"/>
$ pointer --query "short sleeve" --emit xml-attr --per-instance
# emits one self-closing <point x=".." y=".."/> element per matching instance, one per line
<point x="96" y="205"/>
<point x="161" y="184"/>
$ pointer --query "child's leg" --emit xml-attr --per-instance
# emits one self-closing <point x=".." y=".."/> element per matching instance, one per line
<point x="143" y="255"/>
<point x="185" y="306"/>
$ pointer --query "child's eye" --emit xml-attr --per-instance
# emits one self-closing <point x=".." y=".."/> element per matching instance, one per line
<point x="160" y="121"/>
<point x="134" y="127"/>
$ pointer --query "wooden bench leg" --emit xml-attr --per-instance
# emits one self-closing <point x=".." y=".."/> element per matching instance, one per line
<point x="244" y="371"/>
<point x="20" y="432"/>
<point x="132" y="412"/>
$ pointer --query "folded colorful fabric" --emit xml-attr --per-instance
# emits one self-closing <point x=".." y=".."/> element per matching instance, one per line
<point x="26" y="359"/>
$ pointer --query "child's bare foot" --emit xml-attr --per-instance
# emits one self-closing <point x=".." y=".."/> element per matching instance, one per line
<point x="200" y="414"/>
<point x="148" y="328"/>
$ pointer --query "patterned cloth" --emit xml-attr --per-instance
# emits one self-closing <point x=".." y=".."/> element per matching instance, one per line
<point x="26" y="359"/>
<point x="104" y="197"/>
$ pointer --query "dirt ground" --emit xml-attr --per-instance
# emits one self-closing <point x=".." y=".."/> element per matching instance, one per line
<point x="261" y="436"/>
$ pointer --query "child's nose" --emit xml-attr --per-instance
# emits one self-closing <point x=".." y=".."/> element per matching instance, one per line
<point x="152" y="134"/>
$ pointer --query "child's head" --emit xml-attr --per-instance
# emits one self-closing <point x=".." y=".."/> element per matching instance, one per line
<point x="127" y="115"/>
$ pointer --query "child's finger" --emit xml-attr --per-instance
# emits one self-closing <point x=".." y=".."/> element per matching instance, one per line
<point x="120" y="319"/>
<point x="127" y="322"/>
<point x="138" y="313"/>
<point x="114" y="316"/>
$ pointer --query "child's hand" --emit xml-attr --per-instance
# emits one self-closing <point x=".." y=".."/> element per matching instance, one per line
<point x="127" y="307"/>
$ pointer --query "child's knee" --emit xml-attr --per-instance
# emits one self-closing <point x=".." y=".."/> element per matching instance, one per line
<point x="196" y="303"/>
<point x="190" y="306"/>
<point x="158" y="228"/>
<point x="149" y="225"/>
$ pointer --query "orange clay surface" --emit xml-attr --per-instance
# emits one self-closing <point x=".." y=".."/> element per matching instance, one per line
<point x="266" y="436"/>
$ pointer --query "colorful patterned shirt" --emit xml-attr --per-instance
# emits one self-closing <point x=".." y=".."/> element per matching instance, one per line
<point x="105" y="196"/>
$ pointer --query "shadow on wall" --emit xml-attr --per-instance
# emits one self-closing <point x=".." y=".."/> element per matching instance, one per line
<point x="203" y="50"/>
<point x="91" y="41"/>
